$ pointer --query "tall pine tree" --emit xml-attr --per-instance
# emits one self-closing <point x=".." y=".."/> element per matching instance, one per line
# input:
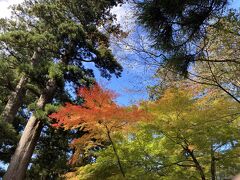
<point x="66" y="34"/>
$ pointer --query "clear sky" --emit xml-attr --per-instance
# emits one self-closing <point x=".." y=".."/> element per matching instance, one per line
<point x="235" y="4"/>
<point x="131" y="87"/>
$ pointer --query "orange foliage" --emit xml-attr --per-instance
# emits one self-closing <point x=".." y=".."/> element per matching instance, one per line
<point x="98" y="114"/>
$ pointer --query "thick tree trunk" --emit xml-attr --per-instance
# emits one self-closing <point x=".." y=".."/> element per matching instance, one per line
<point x="16" y="97"/>
<point x="22" y="156"/>
<point x="14" y="101"/>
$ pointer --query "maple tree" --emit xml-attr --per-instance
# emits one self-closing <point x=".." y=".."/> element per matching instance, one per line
<point x="98" y="116"/>
<point x="193" y="134"/>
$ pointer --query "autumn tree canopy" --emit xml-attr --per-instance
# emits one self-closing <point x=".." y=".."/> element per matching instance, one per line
<point x="190" y="135"/>
<point x="98" y="117"/>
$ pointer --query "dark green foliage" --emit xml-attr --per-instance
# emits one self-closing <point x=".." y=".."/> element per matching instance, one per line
<point x="62" y="27"/>
<point x="179" y="62"/>
<point x="51" y="155"/>
<point x="9" y="136"/>
<point x="172" y="23"/>
<point x="8" y="139"/>
<point x="176" y="26"/>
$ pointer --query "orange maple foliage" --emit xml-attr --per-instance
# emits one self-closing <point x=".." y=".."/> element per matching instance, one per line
<point x="97" y="116"/>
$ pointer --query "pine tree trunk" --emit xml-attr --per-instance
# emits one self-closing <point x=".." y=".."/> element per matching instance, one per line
<point x="16" y="97"/>
<point x="14" y="101"/>
<point x="22" y="156"/>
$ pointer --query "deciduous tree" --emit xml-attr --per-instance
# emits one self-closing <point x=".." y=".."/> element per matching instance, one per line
<point x="193" y="135"/>
<point x="98" y="116"/>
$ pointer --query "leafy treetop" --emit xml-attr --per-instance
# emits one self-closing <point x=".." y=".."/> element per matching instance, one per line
<point x="97" y="116"/>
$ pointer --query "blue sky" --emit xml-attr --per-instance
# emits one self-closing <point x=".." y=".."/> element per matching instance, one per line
<point x="235" y="4"/>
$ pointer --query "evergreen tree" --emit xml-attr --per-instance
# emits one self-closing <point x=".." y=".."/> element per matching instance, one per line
<point x="199" y="34"/>
<point x="66" y="35"/>
<point x="177" y="27"/>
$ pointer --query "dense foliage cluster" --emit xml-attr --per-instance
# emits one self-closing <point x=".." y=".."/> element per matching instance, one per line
<point x="190" y="136"/>
<point x="176" y="27"/>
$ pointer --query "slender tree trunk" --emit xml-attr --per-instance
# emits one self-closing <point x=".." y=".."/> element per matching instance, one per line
<point x="22" y="156"/>
<point x="115" y="152"/>
<point x="198" y="166"/>
<point x="16" y="97"/>
<point x="213" y="165"/>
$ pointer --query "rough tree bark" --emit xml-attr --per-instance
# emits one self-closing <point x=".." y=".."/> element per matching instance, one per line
<point x="14" y="101"/>
<point x="22" y="156"/>
<point x="16" y="97"/>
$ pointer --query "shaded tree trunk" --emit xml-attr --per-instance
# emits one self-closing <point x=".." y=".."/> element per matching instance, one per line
<point x="16" y="97"/>
<point x="22" y="156"/>
<point x="15" y="101"/>
<point x="198" y="166"/>
<point x="115" y="152"/>
<point x="213" y="165"/>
